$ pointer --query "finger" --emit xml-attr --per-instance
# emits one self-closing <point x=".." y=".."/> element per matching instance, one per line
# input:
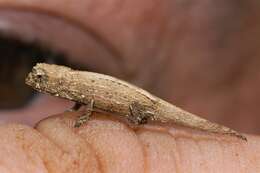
<point x="187" y="151"/>
<point x="109" y="145"/>
<point x="116" y="147"/>
<point x="156" y="148"/>
<point x="24" y="150"/>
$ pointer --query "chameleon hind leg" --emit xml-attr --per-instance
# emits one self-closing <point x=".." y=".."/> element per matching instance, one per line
<point x="85" y="117"/>
<point x="139" y="114"/>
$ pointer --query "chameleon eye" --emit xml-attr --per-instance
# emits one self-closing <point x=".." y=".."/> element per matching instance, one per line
<point x="39" y="76"/>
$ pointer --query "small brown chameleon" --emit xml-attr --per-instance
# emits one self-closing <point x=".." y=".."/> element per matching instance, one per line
<point x="104" y="93"/>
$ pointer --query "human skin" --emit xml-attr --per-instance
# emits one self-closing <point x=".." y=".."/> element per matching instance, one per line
<point x="185" y="39"/>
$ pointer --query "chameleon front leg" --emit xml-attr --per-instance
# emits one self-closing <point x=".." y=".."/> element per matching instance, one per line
<point x="76" y="107"/>
<point x="85" y="117"/>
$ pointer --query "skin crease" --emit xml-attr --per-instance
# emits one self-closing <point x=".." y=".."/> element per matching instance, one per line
<point x="170" y="32"/>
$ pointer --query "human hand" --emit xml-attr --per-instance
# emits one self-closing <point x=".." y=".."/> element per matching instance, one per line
<point x="106" y="144"/>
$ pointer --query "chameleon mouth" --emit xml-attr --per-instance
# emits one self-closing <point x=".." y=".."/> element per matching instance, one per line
<point x="32" y="81"/>
<point x="35" y="78"/>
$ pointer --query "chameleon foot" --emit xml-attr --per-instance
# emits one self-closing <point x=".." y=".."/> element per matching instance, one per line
<point x="84" y="118"/>
<point x="139" y="114"/>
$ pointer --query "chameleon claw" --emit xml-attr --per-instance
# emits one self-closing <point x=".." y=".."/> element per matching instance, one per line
<point x="84" y="118"/>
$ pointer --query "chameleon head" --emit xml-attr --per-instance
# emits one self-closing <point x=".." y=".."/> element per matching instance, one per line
<point x="46" y="77"/>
